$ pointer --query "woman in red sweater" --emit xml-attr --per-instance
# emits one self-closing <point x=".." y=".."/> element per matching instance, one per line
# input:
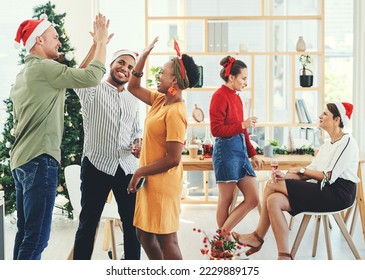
<point x="233" y="148"/>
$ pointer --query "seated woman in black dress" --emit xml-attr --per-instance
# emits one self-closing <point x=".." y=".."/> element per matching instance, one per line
<point x="334" y="170"/>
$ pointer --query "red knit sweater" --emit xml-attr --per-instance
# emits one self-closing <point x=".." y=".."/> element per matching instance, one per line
<point x="226" y="116"/>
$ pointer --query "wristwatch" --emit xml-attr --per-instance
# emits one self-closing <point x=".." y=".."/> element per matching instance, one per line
<point x="302" y="170"/>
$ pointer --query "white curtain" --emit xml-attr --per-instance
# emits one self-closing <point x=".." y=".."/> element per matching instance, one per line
<point x="359" y="73"/>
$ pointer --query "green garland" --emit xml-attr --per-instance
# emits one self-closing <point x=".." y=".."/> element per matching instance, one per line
<point x="305" y="150"/>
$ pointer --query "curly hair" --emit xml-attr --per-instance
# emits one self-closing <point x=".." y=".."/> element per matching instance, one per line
<point x="192" y="70"/>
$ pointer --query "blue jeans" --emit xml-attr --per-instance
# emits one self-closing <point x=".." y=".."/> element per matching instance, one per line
<point x="35" y="184"/>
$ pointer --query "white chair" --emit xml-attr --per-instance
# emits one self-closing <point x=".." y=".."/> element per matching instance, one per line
<point x="324" y="216"/>
<point x="110" y="212"/>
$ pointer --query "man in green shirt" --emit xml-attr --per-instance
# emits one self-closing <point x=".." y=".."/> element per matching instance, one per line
<point x="38" y="96"/>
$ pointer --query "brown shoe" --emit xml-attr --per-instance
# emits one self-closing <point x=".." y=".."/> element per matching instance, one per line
<point x="253" y="249"/>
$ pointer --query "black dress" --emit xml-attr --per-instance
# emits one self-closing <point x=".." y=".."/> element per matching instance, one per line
<point x="308" y="197"/>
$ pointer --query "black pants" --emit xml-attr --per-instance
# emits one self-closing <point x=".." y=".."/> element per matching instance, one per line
<point x="95" y="187"/>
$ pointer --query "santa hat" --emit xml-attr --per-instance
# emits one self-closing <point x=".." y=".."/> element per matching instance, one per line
<point x="345" y="110"/>
<point x="124" y="52"/>
<point x="29" y="30"/>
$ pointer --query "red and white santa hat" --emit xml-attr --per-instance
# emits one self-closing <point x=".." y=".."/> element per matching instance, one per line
<point x="345" y="111"/>
<point x="124" y="52"/>
<point x="29" y="30"/>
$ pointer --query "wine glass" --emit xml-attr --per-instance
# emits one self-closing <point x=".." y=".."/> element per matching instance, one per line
<point x="252" y="114"/>
<point x="274" y="166"/>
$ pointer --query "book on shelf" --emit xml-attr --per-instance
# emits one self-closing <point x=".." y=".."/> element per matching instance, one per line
<point x="302" y="111"/>
<point x="299" y="113"/>
<point x="217" y="36"/>
<point x="307" y="115"/>
<point x="211" y="36"/>
<point x="224" y="36"/>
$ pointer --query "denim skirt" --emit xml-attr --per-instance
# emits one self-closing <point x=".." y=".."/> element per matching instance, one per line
<point x="230" y="159"/>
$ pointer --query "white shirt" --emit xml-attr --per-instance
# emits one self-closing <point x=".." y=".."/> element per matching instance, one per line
<point x="340" y="157"/>
<point x="111" y="123"/>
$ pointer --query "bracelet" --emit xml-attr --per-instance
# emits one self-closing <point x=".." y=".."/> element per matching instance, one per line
<point x="138" y="75"/>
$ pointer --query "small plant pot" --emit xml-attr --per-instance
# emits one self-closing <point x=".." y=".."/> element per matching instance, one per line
<point x="306" y="80"/>
<point x="268" y="151"/>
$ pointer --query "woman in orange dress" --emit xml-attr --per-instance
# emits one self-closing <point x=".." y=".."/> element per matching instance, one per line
<point x="158" y="202"/>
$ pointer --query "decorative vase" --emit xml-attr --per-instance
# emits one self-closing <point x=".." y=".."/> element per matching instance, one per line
<point x="301" y="47"/>
<point x="291" y="145"/>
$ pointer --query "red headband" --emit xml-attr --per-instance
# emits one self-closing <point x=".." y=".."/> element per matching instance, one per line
<point x="182" y="68"/>
<point x="228" y="66"/>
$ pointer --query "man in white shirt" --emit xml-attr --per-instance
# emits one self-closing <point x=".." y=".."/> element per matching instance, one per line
<point x="111" y="125"/>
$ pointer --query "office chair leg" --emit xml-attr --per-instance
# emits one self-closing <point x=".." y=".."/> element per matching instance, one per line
<point x="71" y="254"/>
<point x="112" y="237"/>
<point x="346" y="214"/>
<point x="347" y="236"/>
<point x="291" y="222"/>
<point x="329" y="224"/>
<point x="354" y="220"/>
<point x="299" y="237"/>
<point x="316" y="234"/>
<point x="326" y="228"/>
<point x="106" y="236"/>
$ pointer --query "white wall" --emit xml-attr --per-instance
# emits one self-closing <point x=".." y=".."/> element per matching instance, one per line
<point x="78" y="23"/>
<point x="126" y="22"/>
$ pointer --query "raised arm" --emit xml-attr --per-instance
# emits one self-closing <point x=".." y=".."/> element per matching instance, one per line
<point x="134" y="84"/>
<point x="100" y="37"/>
<point x="91" y="54"/>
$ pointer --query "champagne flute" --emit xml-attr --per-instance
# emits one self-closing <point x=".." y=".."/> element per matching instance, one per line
<point x="274" y="166"/>
<point x="252" y="115"/>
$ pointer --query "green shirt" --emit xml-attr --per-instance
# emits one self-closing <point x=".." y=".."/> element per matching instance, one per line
<point x="38" y="96"/>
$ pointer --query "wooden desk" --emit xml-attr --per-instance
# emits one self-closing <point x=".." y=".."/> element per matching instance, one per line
<point x="285" y="162"/>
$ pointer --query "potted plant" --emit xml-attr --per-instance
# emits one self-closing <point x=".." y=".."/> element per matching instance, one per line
<point x="306" y="79"/>
<point x="269" y="150"/>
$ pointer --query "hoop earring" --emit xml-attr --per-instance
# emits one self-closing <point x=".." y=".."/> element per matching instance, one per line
<point x="172" y="91"/>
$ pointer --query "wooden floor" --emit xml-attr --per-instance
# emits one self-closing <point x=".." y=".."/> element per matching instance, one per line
<point x="196" y="216"/>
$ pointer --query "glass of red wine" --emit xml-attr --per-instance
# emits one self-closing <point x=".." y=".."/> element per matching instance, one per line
<point x="274" y="166"/>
